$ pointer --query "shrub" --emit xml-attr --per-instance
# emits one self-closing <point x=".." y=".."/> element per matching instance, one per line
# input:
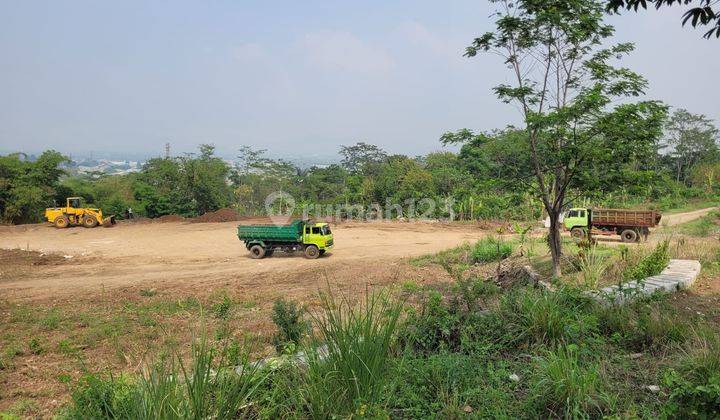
<point x="222" y="308"/>
<point x="490" y="249"/>
<point x="563" y="387"/>
<point x="457" y="323"/>
<point x="690" y="399"/>
<point x="288" y="318"/>
<point x="650" y="265"/>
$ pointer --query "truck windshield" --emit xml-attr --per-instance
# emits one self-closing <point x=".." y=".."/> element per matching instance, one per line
<point x="326" y="230"/>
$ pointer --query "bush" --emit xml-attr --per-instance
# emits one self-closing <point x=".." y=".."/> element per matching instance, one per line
<point x="290" y="324"/>
<point x="563" y="387"/>
<point x="457" y="323"/>
<point x="650" y="265"/>
<point x="690" y="399"/>
<point x="222" y="308"/>
<point x="490" y="249"/>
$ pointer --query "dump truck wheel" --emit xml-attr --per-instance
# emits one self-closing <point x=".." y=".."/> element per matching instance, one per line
<point x="62" y="222"/>
<point x="577" y="234"/>
<point x="312" y="252"/>
<point x="90" y="222"/>
<point x="257" y="252"/>
<point x="629" y="235"/>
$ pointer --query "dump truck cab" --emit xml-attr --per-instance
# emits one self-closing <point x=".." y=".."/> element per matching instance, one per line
<point x="318" y="234"/>
<point x="577" y="218"/>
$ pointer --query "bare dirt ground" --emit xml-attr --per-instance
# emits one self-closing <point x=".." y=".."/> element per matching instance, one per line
<point x="680" y="218"/>
<point x="105" y="299"/>
<point x="203" y="255"/>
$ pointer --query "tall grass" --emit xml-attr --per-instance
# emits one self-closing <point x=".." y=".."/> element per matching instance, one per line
<point x="348" y="371"/>
<point x="172" y="389"/>
<point x="564" y="387"/>
<point x="541" y="317"/>
<point x="592" y="267"/>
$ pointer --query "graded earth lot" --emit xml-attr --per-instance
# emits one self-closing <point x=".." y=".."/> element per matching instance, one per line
<point x="198" y="256"/>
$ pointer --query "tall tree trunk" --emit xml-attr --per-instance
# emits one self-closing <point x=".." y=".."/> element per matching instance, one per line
<point x="554" y="241"/>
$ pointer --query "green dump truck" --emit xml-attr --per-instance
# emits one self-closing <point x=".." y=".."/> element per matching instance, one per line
<point x="313" y="239"/>
<point x="631" y="225"/>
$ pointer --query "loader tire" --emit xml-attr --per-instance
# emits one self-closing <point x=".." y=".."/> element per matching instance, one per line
<point x="61" y="222"/>
<point x="89" y="222"/>
<point x="312" y="252"/>
<point x="257" y="252"/>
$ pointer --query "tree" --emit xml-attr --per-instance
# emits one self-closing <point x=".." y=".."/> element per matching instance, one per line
<point x="27" y="187"/>
<point x="691" y="139"/>
<point x="701" y="15"/>
<point x="360" y="157"/>
<point x="563" y="83"/>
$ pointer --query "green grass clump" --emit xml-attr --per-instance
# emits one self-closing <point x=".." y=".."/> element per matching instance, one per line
<point x="490" y="249"/>
<point x="541" y="317"/>
<point x="566" y="387"/>
<point x="172" y="389"/>
<point x="350" y="372"/>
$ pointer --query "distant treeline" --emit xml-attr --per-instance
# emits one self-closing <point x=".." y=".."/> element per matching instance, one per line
<point x="490" y="177"/>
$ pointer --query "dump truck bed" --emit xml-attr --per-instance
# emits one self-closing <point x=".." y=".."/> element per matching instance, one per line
<point x="273" y="233"/>
<point x="629" y="218"/>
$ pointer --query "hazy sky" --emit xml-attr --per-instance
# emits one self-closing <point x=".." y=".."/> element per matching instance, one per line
<point x="295" y="77"/>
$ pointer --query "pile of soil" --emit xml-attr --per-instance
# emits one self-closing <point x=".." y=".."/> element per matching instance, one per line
<point x="222" y="215"/>
<point x="169" y="218"/>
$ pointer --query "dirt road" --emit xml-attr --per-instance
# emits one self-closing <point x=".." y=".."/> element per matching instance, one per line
<point x="679" y="218"/>
<point x="205" y="255"/>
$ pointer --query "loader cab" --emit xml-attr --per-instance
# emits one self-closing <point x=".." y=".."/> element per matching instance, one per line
<point x="577" y="217"/>
<point x="74" y="202"/>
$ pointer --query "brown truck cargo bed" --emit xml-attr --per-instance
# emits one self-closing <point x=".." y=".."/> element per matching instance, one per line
<point x="619" y="217"/>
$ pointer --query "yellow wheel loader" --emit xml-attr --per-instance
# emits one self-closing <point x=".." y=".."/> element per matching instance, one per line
<point x="73" y="214"/>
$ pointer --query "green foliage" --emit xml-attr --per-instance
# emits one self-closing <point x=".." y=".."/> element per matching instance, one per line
<point x="28" y="187"/>
<point x="351" y="371"/>
<point x="592" y="266"/>
<point x="170" y="389"/>
<point x="222" y="309"/>
<point x="566" y="387"/>
<point x="691" y="399"/>
<point x="650" y="265"/>
<point x="540" y="317"/>
<point x="288" y="318"/>
<point x="490" y="249"/>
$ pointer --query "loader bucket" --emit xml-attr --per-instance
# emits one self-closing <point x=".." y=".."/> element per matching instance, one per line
<point x="108" y="221"/>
